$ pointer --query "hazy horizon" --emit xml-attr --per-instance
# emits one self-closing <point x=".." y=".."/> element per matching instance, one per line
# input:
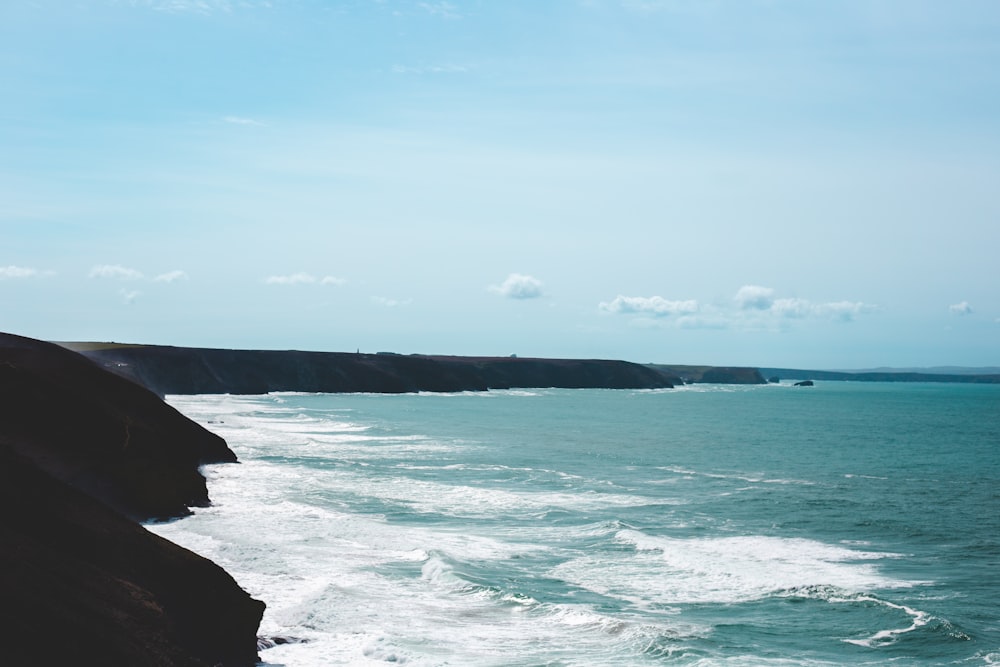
<point x="762" y="183"/>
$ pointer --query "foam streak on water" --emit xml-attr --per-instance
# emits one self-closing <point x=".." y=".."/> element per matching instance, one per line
<point x="557" y="527"/>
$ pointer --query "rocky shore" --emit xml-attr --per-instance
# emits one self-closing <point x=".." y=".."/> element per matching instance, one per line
<point x="84" y="456"/>
<point x="88" y="450"/>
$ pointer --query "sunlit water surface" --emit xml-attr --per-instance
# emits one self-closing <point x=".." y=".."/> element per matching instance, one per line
<point x="707" y="525"/>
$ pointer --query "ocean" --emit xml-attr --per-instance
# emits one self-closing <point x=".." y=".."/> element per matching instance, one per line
<point x="841" y="524"/>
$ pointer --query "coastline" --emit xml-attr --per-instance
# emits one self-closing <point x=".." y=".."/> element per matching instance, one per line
<point x="181" y="370"/>
<point x="88" y="449"/>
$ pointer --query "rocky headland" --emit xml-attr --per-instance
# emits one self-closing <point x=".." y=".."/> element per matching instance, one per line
<point x="184" y="370"/>
<point x="84" y="455"/>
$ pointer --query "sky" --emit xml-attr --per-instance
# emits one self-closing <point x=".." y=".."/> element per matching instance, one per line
<point x="729" y="182"/>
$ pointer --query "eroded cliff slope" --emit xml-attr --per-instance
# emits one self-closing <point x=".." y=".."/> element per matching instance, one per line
<point x="83" y="455"/>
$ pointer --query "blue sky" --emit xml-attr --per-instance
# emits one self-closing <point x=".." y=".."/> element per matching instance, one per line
<point x="759" y="182"/>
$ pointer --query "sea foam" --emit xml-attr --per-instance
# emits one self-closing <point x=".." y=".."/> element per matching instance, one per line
<point x="562" y="528"/>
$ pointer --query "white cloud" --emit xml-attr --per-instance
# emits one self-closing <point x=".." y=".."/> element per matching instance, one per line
<point x="651" y="305"/>
<point x="302" y="278"/>
<point x="759" y="298"/>
<point x="114" y="271"/>
<point x="519" y="286"/>
<point x="22" y="272"/>
<point x="754" y="297"/>
<point x="171" y="276"/>
<point x="961" y="308"/>
<point x="391" y="303"/>
<point x="128" y="296"/>
<point x="292" y="279"/>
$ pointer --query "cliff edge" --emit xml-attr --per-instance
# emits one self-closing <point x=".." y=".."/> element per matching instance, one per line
<point x="83" y="455"/>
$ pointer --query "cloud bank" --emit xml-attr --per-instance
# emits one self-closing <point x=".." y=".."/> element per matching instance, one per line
<point x="761" y="299"/>
<point x="753" y="306"/>
<point x="656" y="306"/>
<point x="519" y="286"/>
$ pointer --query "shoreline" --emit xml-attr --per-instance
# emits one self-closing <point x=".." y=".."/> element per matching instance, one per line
<point x="90" y="450"/>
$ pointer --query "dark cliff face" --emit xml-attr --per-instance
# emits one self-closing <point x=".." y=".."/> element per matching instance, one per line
<point x="714" y="374"/>
<point x="732" y="375"/>
<point x="81" y="584"/>
<point x="108" y="437"/>
<point x="175" y="370"/>
<point x="82" y="451"/>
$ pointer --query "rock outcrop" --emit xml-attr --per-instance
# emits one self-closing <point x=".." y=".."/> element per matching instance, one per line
<point x="83" y="454"/>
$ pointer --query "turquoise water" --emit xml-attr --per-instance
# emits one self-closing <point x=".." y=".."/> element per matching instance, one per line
<point x="710" y="525"/>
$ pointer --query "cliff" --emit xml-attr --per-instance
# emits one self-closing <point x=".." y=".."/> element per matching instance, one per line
<point x="101" y="433"/>
<point x="83" y="454"/>
<point x="178" y="370"/>
<point x="713" y="374"/>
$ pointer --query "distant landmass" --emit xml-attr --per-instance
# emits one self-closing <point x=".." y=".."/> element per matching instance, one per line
<point x="188" y="370"/>
<point x="935" y="370"/>
<point x="893" y="375"/>
<point x="712" y="374"/>
<point x="184" y="370"/>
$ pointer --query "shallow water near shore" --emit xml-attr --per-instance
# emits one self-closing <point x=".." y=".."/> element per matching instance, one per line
<point x="844" y="523"/>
